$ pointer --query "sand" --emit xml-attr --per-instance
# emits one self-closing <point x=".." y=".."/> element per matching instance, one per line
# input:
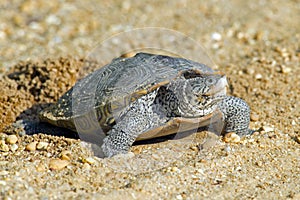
<point x="45" y="48"/>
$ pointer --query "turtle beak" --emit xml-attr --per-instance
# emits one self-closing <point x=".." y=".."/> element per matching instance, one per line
<point x="219" y="87"/>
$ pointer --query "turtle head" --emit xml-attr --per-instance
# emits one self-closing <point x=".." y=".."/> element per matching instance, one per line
<point x="198" y="94"/>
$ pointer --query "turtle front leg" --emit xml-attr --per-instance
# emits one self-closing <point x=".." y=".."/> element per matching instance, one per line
<point x="142" y="115"/>
<point x="236" y="113"/>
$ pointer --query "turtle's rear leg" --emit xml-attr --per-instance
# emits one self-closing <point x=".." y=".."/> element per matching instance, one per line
<point x="236" y="113"/>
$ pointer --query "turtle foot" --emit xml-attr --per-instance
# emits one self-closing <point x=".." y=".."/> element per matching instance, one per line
<point x="236" y="113"/>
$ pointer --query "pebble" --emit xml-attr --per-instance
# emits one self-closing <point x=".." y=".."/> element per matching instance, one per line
<point x="155" y="156"/>
<point x="42" y="145"/>
<point x="2" y="183"/>
<point x="259" y="163"/>
<point x="2" y="35"/>
<point x="250" y="71"/>
<point x="254" y="117"/>
<point x="86" y="166"/>
<point x="297" y="139"/>
<point x="31" y="146"/>
<point x="53" y="19"/>
<point x="174" y="169"/>
<point x="258" y="76"/>
<point x="4" y="162"/>
<point x="12" y="139"/>
<point x="228" y="149"/>
<point x="267" y="129"/>
<point x="179" y="197"/>
<point x="40" y="167"/>
<point x="284" y="69"/>
<point x="3" y="173"/>
<point x="66" y="155"/>
<point x="194" y="148"/>
<point x="128" y="55"/>
<point x="3" y="147"/>
<point x="232" y="138"/>
<point x="58" y="164"/>
<point x="14" y="147"/>
<point x="216" y="36"/>
<point x="89" y="160"/>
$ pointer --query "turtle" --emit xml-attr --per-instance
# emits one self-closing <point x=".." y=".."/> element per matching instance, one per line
<point x="147" y="96"/>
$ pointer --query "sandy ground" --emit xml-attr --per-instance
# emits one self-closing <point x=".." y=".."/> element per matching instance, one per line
<point x="43" y="49"/>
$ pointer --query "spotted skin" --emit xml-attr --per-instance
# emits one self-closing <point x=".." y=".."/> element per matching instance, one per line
<point x="236" y="114"/>
<point x="141" y="116"/>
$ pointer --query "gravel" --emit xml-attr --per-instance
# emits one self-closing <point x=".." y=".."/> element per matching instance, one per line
<point x="45" y="47"/>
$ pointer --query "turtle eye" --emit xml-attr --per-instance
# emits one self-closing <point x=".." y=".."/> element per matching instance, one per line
<point x="210" y="81"/>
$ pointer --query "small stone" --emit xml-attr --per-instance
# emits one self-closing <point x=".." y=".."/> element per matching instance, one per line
<point x="240" y="35"/>
<point x="31" y="146"/>
<point x="297" y="138"/>
<point x="250" y="71"/>
<point x="216" y="36"/>
<point x="58" y="164"/>
<point x="2" y="136"/>
<point x="228" y="149"/>
<point x="42" y="145"/>
<point x="4" y="162"/>
<point x="3" y="183"/>
<point x="232" y="138"/>
<point x="179" y="197"/>
<point x="136" y="150"/>
<point x="86" y="166"/>
<point x="89" y="160"/>
<point x="254" y="117"/>
<point x="255" y="133"/>
<point x="267" y="129"/>
<point x="3" y="147"/>
<point x="126" y="5"/>
<point x="3" y="173"/>
<point x="128" y="55"/>
<point x="258" y="76"/>
<point x="216" y="46"/>
<point x="12" y="139"/>
<point x="259" y="163"/>
<point x="194" y="148"/>
<point x="41" y="167"/>
<point x="230" y="33"/>
<point x="66" y="155"/>
<point x="155" y="156"/>
<point x="258" y="35"/>
<point x="284" y="69"/>
<point x="174" y="169"/>
<point x="294" y="123"/>
<point x="14" y="147"/>
<point x="53" y="19"/>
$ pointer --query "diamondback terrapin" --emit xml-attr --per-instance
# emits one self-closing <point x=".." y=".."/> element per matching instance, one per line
<point x="147" y="96"/>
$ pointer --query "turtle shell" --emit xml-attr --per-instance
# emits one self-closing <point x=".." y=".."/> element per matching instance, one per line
<point x="101" y="96"/>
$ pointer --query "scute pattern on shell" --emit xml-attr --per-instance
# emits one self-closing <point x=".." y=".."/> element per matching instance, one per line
<point x="114" y="84"/>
